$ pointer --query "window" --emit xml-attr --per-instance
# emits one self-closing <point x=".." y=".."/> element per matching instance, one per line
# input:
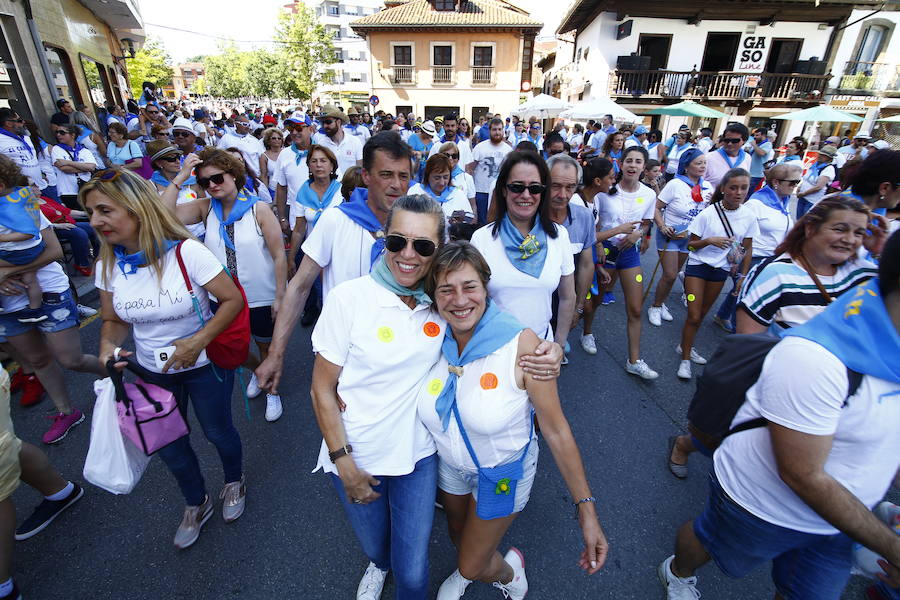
<point x="403" y="55"/>
<point x="63" y="77"/>
<point x="720" y="52"/>
<point x="334" y="10"/>
<point x="442" y="56"/>
<point x="338" y="55"/>
<point x="483" y="56"/>
<point x="657" y="48"/>
<point x="98" y="86"/>
<point x="445" y="5"/>
<point x="403" y="110"/>
<point x="578" y="55"/>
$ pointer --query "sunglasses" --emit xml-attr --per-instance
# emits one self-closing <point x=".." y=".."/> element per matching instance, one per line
<point x="107" y="175"/>
<point x="732" y="141"/>
<point x="790" y="181"/>
<point x="217" y="179"/>
<point x="62" y="132"/>
<point x="169" y="158"/>
<point x="453" y="155"/>
<point x="181" y="134"/>
<point x="327" y="121"/>
<point x="16" y="120"/>
<point x="396" y="242"/>
<point x="535" y="189"/>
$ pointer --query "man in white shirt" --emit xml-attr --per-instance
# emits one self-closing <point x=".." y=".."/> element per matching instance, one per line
<point x="487" y="157"/>
<point x="857" y="148"/>
<point x="451" y="127"/>
<point x="638" y="138"/>
<point x="291" y="170"/>
<point x="705" y="142"/>
<point x="354" y="127"/>
<point x="346" y="148"/>
<point x="15" y="144"/>
<point x="730" y="156"/>
<point x="250" y="147"/>
<point x="595" y="143"/>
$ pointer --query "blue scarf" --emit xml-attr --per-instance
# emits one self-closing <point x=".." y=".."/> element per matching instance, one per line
<point x="130" y="116"/>
<point x="21" y="138"/>
<point x="85" y="132"/>
<point x="516" y="136"/>
<point x="299" y="155"/>
<point x="728" y="161"/>
<point x="73" y="152"/>
<point x="20" y="211"/>
<point x="456" y="171"/>
<point x="308" y="197"/>
<point x="526" y="253"/>
<point x="382" y="275"/>
<point x="858" y="330"/>
<point x="159" y="179"/>
<point x="138" y="258"/>
<point x="358" y="211"/>
<point x="770" y="198"/>
<point x="818" y="168"/>
<point x="677" y="148"/>
<point x="788" y="158"/>
<point x="616" y="158"/>
<point x="442" y="197"/>
<point x="652" y="146"/>
<point x="242" y="204"/>
<point x="495" y="329"/>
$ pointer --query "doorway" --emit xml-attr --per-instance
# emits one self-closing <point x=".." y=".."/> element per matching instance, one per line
<point x="439" y="111"/>
<point x="720" y="51"/>
<point x="657" y="48"/>
<point x="783" y="55"/>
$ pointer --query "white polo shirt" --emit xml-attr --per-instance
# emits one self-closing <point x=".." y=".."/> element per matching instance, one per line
<point x="384" y="349"/>
<point x="290" y="174"/>
<point x="348" y="152"/>
<point x="341" y="247"/>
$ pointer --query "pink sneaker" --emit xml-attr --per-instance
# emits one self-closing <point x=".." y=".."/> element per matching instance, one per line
<point x="62" y="423"/>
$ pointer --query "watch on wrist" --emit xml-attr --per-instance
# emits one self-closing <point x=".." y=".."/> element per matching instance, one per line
<point x="346" y="450"/>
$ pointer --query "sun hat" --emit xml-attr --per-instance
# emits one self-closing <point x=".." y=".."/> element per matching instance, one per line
<point x="828" y="151"/>
<point x="183" y="124"/>
<point x="428" y="127"/>
<point x="333" y="112"/>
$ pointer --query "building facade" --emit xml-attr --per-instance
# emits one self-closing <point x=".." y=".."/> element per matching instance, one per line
<point x="184" y="77"/>
<point x="434" y="57"/>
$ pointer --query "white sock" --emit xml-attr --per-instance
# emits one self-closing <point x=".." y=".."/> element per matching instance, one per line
<point x="60" y="495"/>
<point x="6" y="587"/>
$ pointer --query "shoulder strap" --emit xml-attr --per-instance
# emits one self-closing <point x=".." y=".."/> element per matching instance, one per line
<point x="465" y="437"/>
<point x="855" y="380"/>
<point x="187" y="283"/>
<point x="801" y="260"/>
<point x="724" y="219"/>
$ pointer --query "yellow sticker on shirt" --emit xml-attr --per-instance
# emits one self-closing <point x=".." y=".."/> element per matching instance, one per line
<point x="435" y="386"/>
<point x="386" y="334"/>
<point x="640" y="200"/>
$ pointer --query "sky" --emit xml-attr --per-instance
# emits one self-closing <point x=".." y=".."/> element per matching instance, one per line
<point x="251" y="22"/>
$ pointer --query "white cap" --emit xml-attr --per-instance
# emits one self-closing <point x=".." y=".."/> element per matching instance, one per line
<point x="880" y="145"/>
<point x="182" y="123"/>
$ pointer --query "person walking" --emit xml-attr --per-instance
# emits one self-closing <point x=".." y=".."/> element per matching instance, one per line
<point x="346" y="148"/>
<point x="815" y="183"/>
<point x="730" y="155"/>
<point x="273" y="142"/>
<point x="487" y="156"/>
<point x="761" y="152"/>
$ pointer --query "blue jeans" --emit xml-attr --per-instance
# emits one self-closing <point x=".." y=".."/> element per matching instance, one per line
<point x="481" y="203"/>
<point x="82" y="239"/>
<point x="728" y="309"/>
<point x="803" y="207"/>
<point x="395" y="529"/>
<point x="209" y="389"/>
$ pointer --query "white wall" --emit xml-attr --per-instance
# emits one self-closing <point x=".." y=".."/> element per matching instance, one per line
<point x="851" y="35"/>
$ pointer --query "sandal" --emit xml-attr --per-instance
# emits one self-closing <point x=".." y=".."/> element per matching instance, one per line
<point x="679" y="471"/>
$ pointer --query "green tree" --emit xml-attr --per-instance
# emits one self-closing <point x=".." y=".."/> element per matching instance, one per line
<point x="226" y="72"/>
<point x="150" y="63"/>
<point x="304" y="50"/>
<point x="264" y="72"/>
<point x="199" y="86"/>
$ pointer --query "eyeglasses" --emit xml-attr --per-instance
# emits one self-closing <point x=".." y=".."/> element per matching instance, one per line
<point x="16" y="120"/>
<point x="60" y="132"/>
<point x="732" y="141"/>
<point x="152" y="112"/>
<point x="217" y="179"/>
<point x="453" y="155"/>
<point x="169" y="158"/>
<point x="790" y="181"/>
<point x="181" y="133"/>
<point x="107" y="175"/>
<point x="535" y="189"/>
<point x="327" y="121"/>
<point x="396" y="242"/>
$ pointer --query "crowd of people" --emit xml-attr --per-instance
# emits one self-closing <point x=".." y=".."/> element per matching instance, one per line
<point x="444" y="265"/>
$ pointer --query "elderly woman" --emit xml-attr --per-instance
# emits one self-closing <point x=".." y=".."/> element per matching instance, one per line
<point x="121" y="151"/>
<point x="376" y="339"/>
<point x="139" y="258"/>
<point x="320" y="192"/>
<point x="458" y="176"/>
<point x="166" y="160"/>
<point x="478" y="405"/>
<point x="437" y="183"/>
<point x="72" y="162"/>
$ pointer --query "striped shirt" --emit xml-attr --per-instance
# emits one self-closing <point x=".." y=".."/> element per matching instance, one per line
<point x="780" y="292"/>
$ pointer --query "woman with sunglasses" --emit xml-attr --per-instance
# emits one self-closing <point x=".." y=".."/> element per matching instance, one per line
<point x="121" y="151"/>
<point x="138" y="260"/>
<point x="166" y="161"/>
<point x="529" y="255"/>
<point x="437" y="184"/>
<point x="73" y="164"/>
<point x="273" y="142"/>
<point x="624" y="214"/>
<point x="244" y="234"/>
<point x="464" y="129"/>
<point x="458" y="176"/>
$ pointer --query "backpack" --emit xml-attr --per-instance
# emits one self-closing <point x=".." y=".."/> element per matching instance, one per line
<point x="722" y="388"/>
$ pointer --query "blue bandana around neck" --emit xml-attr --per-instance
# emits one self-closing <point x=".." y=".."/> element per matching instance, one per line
<point x="299" y="155"/>
<point x="495" y="329"/>
<point x="858" y="330"/>
<point x="456" y="171"/>
<point x="73" y="152"/>
<point x="732" y="163"/>
<point x="15" y="136"/>
<point x="789" y="158"/>
<point x="616" y="158"/>
<point x="242" y="204"/>
<point x="442" y="197"/>
<point x="358" y="211"/>
<point x="20" y="211"/>
<point x="769" y="197"/>
<point x="382" y="275"/>
<point x="308" y="197"/>
<point x="85" y="133"/>
<point x="129" y="263"/>
<point x="819" y="167"/>
<point x="526" y="253"/>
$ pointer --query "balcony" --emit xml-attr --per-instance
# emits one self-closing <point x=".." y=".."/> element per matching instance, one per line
<point x="869" y="77"/>
<point x="442" y="75"/>
<point x="403" y="75"/>
<point x="716" y="85"/>
<point x="483" y="75"/>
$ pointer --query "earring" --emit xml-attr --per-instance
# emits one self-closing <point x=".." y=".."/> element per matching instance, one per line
<point x="881" y="198"/>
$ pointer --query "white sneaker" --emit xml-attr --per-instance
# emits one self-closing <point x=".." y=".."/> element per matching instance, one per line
<point x="86" y="311"/>
<point x="518" y="587"/>
<point x="253" y="389"/>
<point x="371" y="584"/>
<point x="695" y="357"/>
<point x="677" y="588"/>
<point x="684" y="299"/>
<point x="640" y="369"/>
<point x="684" y="369"/>
<point x="453" y="587"/>
<point x="589" y="344"/>
<point x="654" y="314"/>
<point x="666" y="315"/>
<point x="273" y="407"/>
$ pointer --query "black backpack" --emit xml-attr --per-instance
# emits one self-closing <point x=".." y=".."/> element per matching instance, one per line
<point x="722" y="388"/>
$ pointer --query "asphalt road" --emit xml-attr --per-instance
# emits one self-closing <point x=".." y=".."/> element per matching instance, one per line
<point x="294" y="542"/>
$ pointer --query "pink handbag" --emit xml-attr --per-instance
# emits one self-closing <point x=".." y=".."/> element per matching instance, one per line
<point x="148" y="414"/>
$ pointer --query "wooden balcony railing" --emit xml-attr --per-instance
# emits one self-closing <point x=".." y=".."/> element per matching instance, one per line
<point x="403" y="75"/>
<point x="442" y="75"/>
<point x="717" y="85"/>
<point x="483" y="75"/>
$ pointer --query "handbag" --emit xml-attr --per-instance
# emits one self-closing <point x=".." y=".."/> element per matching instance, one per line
<point x="736" y="251"/>
<point x="148" y="414"/>
<point x="230" y="349"/>
<point x="496" y="485"/>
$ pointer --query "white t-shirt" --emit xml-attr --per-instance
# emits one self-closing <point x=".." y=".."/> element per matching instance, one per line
<point x="707" y="224"/>
<point x="161" y="312"/>
<point x="298" y="210"/>
<point x="773" y="227"/>
<point x="466" y="183"/>
<point x="613" y="211"/>
<point x="67" y="183"/>
<point x="348" y="152"/>
<point x="680" y="206"/>
<point x="865" y="451"/>
<point x="384" y="349"/>
<point x="456" y="201"/>
<point x="525" y="297"/>
<point x="362" y="132"/>
<point x="341" y="247"/>
<point x="705" y="144"/>
<point x="812" y="176"/>
<point x="716" y="167"/>
<point x="289" y="174"/>
<point x="488" y="157"/>
<point x="23" y="154"/>
<point x="250" y="147"/>
<point x="51" y="277"/>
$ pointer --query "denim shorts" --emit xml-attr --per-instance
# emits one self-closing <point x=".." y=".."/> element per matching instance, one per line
<point x="22" y="257"/>
<point x="705" y="272"/>
<point x="664" y="244"/>
<point x="61" y="312"/>
<point x="621" y="259"/>
<point x="460" y="482"/>
<point x="805" y="566"/>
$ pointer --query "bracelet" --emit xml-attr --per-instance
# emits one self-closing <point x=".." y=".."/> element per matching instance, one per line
<point x="582" y="501"/>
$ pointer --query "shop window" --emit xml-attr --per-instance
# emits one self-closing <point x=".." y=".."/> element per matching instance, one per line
<point x="63" y="76"/>
<point x="97" y="80"/>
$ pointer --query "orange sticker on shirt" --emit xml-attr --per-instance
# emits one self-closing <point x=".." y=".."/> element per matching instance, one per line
<point x="488" y="381"/>
<point x="431" y="329"/>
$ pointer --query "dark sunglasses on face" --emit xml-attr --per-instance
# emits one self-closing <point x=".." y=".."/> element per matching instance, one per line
<point x="790" y="181"/>
<point x="453" y="155"/>
<point x="169" y="158"/>
<point x="182" y="134"/>
<point x="327" y="121"/>
<point x="396" y="242"/>
<point x="16" y="120"/>
<point x="61" y="132"/>
<point x="732" y="141"/>
<point x="535" y="189"/>
<point x="218" y="179"/>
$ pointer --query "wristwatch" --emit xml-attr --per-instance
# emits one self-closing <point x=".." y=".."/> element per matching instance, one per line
<point x="342" y="451"/>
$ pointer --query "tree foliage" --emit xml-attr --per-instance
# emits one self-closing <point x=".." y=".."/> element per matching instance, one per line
<point x="150" y="63"/>
<point x="226" y="73"/>
<point x="304" y="51"/>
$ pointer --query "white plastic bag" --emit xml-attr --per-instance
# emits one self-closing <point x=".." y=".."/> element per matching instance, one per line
<point x="113" y="462"/>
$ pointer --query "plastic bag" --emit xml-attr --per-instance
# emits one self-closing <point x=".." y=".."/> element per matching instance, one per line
<point x="113" y="462"/>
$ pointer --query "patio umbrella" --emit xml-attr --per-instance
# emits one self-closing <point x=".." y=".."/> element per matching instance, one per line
<point x="821" y="113"/>
<point x="688" y="108"/>
<point x="542" y="106"/>
<point x="894" y="119"/>
<point x="597" y="108"/>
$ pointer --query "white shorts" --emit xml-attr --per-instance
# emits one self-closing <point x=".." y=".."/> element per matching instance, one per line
<point x="459" y="482"/>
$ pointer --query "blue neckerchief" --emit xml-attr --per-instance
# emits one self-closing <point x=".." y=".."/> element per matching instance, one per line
<point x="634" y="139"/>
<point x="382" y="275"/>
<point x="130" y="116"/>
<point x="21" y="138"/>
<point x="818" y="167"/>
<point x="494" y="330"/>
<point x="243" y="203"/>
<point x="20" y="211"/>
<point x="456" y="171"/>
<point x="517" y="136"/>
<point x="728" y="161"/>
<point x="615" y="157"/>
<point x="534" y="140"/>
<point x="858" y="330"/>
<point x="358" y="211"/>
<point x="85" y="132"/>
<point x="158" y="178"/>
<point x="299" y="155"/>
<point x="442" y="197"/>
<point x="526" y="253"/>
<point x="307" y="196"/>
<point x="677" y="148"/>
<point x="770" y="198"/>
<point x="652" y="146"/>
<point x="73" y="152"/>
<point x="690" y="183"/>
<point x="789" y="158"/>
<point x="138" y="258"/>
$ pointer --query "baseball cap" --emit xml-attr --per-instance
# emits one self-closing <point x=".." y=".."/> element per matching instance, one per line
<point x="60" y="102"/>
<point x="833" y="140"/>
<point x="641" y="130"/>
